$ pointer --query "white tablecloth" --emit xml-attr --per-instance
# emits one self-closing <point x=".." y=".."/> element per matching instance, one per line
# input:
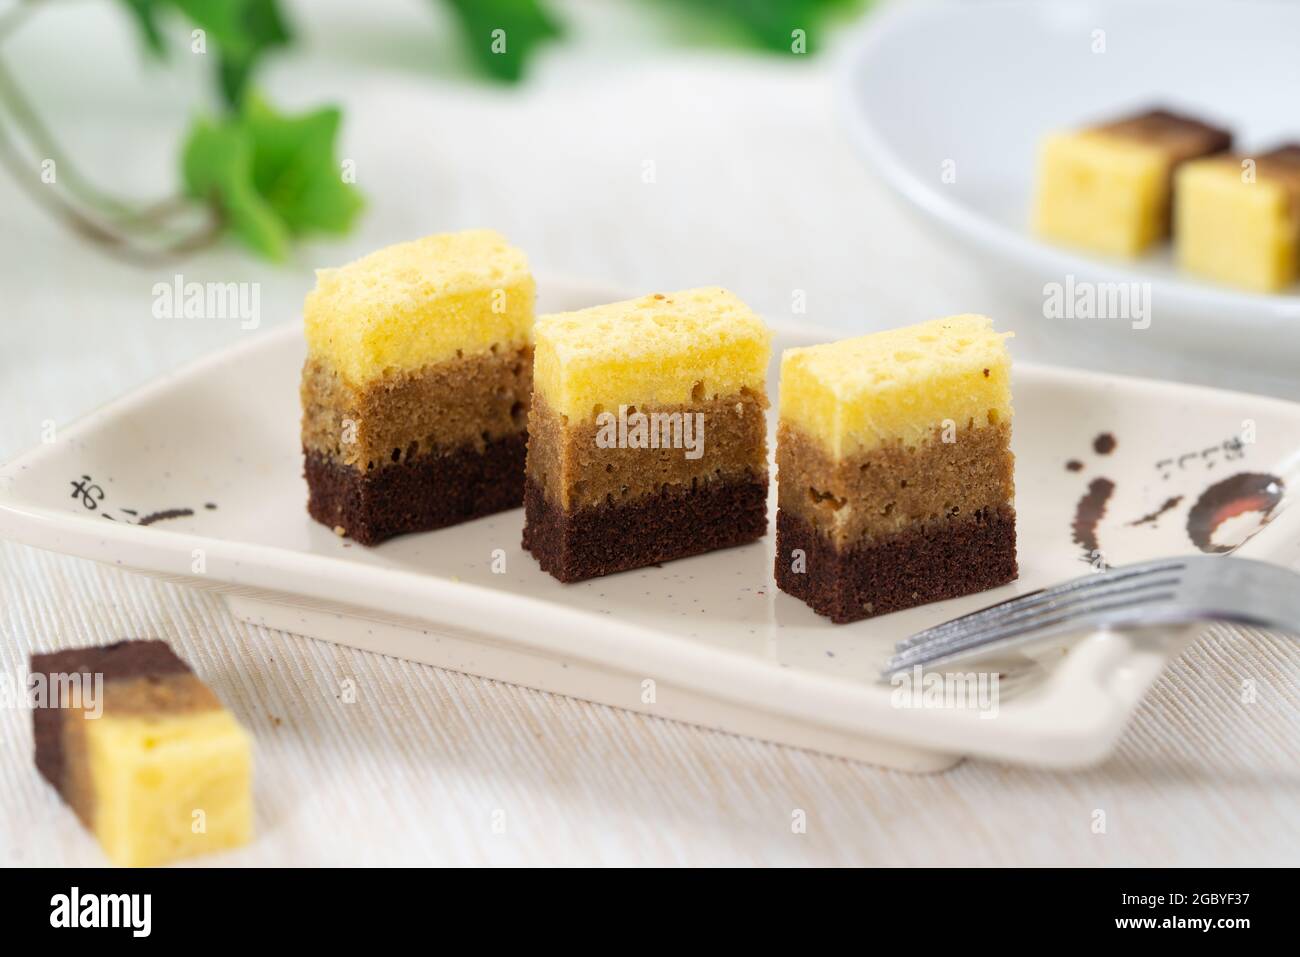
<point x="755" y="189"/>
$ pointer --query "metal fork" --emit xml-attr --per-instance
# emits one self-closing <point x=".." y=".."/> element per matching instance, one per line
<point x="1171" y="591"/>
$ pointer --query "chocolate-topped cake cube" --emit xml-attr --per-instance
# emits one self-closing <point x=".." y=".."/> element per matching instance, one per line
<point x="1237" y="219"/>
<point x="142" y="751"/>
<point x="1107" y="188"/>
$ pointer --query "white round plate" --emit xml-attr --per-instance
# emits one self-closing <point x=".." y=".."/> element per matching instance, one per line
<point x="970" y="88"/>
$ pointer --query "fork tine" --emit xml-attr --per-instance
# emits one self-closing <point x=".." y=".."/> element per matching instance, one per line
<point x="1039" y="622"/>
<point x="1039" y="611"/>
<point x="1016" y="635"/>
<point x="1078" y="586"/>
<point x="1075" y="604"/>
<point x="1081" y="586"/>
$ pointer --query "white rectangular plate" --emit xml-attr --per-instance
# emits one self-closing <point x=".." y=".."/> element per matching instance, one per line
<point x="214" y="449"/>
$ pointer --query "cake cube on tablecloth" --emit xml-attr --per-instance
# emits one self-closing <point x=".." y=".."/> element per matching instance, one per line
<point x="1106" y="188"/>
<point x="142" y="751"/>
<point x="647" y="435"/>
<point x="416" y="386"/>
<point x="894" y="469"/>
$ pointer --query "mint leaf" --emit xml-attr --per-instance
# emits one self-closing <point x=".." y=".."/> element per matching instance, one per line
<point x="503" y="34"/>
<point x="271" y="177"/>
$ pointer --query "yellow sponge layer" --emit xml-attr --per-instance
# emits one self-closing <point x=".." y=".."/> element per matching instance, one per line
<point x="168" y="787"/>
<point x="899" y="385"/>
<point x="1102" y="192"/>
<point x="417" y="303"/>
<point x="1236" y="232"/>
<point x="660" y="350"/>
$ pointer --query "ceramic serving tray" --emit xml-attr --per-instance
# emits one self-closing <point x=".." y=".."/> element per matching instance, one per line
<point x="197" y="478"/>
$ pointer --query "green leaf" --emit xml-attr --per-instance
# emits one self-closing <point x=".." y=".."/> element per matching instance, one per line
<point x="238" y="34"/>
<point x="772" y="23"/>
<point x="271" y="177"/>
<point x="145" y="14"/>
<point x="503" y="34"/>
<point x="217" y="167"/>
<point x="241" y="28"/>
<point x="262" y="29"/>
<point x="295" y="168"/>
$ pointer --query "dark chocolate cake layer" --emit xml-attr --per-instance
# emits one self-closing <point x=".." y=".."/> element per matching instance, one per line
<point x="431" y="490"/>
<point x="677" y="522"/>
<point x="917" y="565"/>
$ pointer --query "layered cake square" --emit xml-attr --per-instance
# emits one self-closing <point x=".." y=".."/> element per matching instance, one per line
<point x="1238" y="221"/>
<point x="416" y="387"/>
<point x="1106" y="188"/>
<point x="142" y="751"/>
<point x="647" y="435"/>
<point x="894" y="469"/>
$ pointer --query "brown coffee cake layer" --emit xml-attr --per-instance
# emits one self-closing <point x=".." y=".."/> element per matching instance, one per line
<point x="466" y="401"/>
<point x="432" y="490"/>
<point x="567" y="461"/>
<point x="889" y="489"/>
<point x="943" y="559"/>
<point x="677" y="521"/>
